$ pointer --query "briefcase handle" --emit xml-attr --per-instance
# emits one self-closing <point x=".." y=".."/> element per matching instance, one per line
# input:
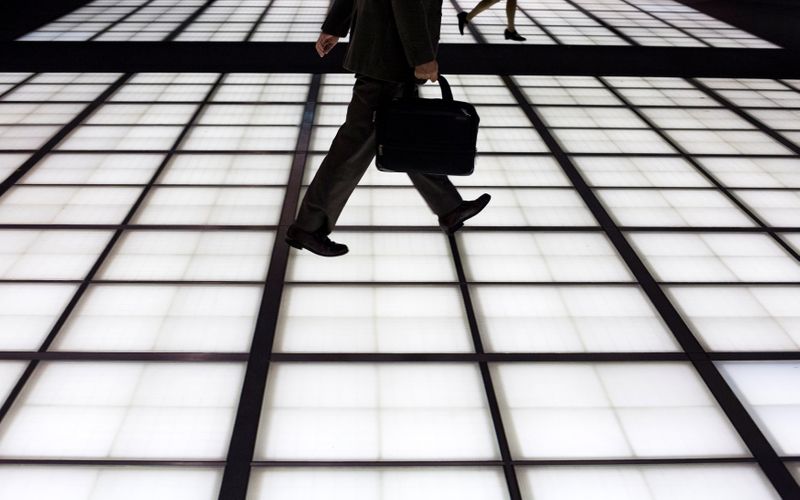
<point x="444" y="85"/>
<point x="447" y="93"/>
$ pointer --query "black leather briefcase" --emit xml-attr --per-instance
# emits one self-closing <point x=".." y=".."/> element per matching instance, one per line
<point x="429" y="136"/>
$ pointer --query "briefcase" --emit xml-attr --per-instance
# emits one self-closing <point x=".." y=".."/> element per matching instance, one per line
<point x="429" y="136"/>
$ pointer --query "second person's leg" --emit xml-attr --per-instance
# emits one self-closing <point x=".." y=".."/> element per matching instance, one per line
<point x="511" y="31"/>
<point x="511" y="12"/>
<point x="482" y="6"/>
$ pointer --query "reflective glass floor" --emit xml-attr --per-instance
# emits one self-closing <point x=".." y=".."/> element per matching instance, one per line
<point x="664" y="23"/>
<point x="633" y="284"/>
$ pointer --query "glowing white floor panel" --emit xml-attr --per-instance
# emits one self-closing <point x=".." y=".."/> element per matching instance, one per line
<point x="375" y="352"/>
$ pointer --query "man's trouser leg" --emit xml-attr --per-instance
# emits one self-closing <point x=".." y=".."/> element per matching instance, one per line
<point x="437" y="191"/>
<point x="350" y="155"/>
<point x="347" y="160"/>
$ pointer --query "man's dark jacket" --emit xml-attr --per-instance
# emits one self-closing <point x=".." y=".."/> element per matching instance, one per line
<point x="387" y="37"/>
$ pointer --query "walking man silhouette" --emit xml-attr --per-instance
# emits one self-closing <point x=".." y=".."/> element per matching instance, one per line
<point x="392" y="43"/>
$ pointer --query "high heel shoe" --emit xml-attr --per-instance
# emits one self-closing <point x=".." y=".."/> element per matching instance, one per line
<point x="513" y="35"/>
<point x="462" y="21"/>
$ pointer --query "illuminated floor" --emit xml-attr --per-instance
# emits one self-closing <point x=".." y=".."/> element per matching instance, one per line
<point x="558" y="22"/>
<point x="137" y="259"/>
<point x="622" y="322"/>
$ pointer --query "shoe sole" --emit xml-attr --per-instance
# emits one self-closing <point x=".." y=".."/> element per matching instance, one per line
<point x="296" y="244"/>
<point x="455" y="227"/>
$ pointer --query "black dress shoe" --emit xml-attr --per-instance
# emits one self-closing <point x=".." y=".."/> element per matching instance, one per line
<point x="462" y="21"/>
<point x="454" y="220"/>
<point x="513" y="35"/>
<point x="316" y="242"/>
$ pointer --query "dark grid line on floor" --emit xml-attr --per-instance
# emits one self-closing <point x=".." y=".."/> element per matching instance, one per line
<point x="610" y="27"/>
<point x="517" y="462"/>
<point x="189" y="20"/>
<point x="688" y="157"/>
<point x="120" y="20"/>
<point x="400" y="357"/>
<point x="767" y="457"/>
<point x="768" y="460"/>
<point x="236" y="477"/>
<point x="62" y="319"/>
